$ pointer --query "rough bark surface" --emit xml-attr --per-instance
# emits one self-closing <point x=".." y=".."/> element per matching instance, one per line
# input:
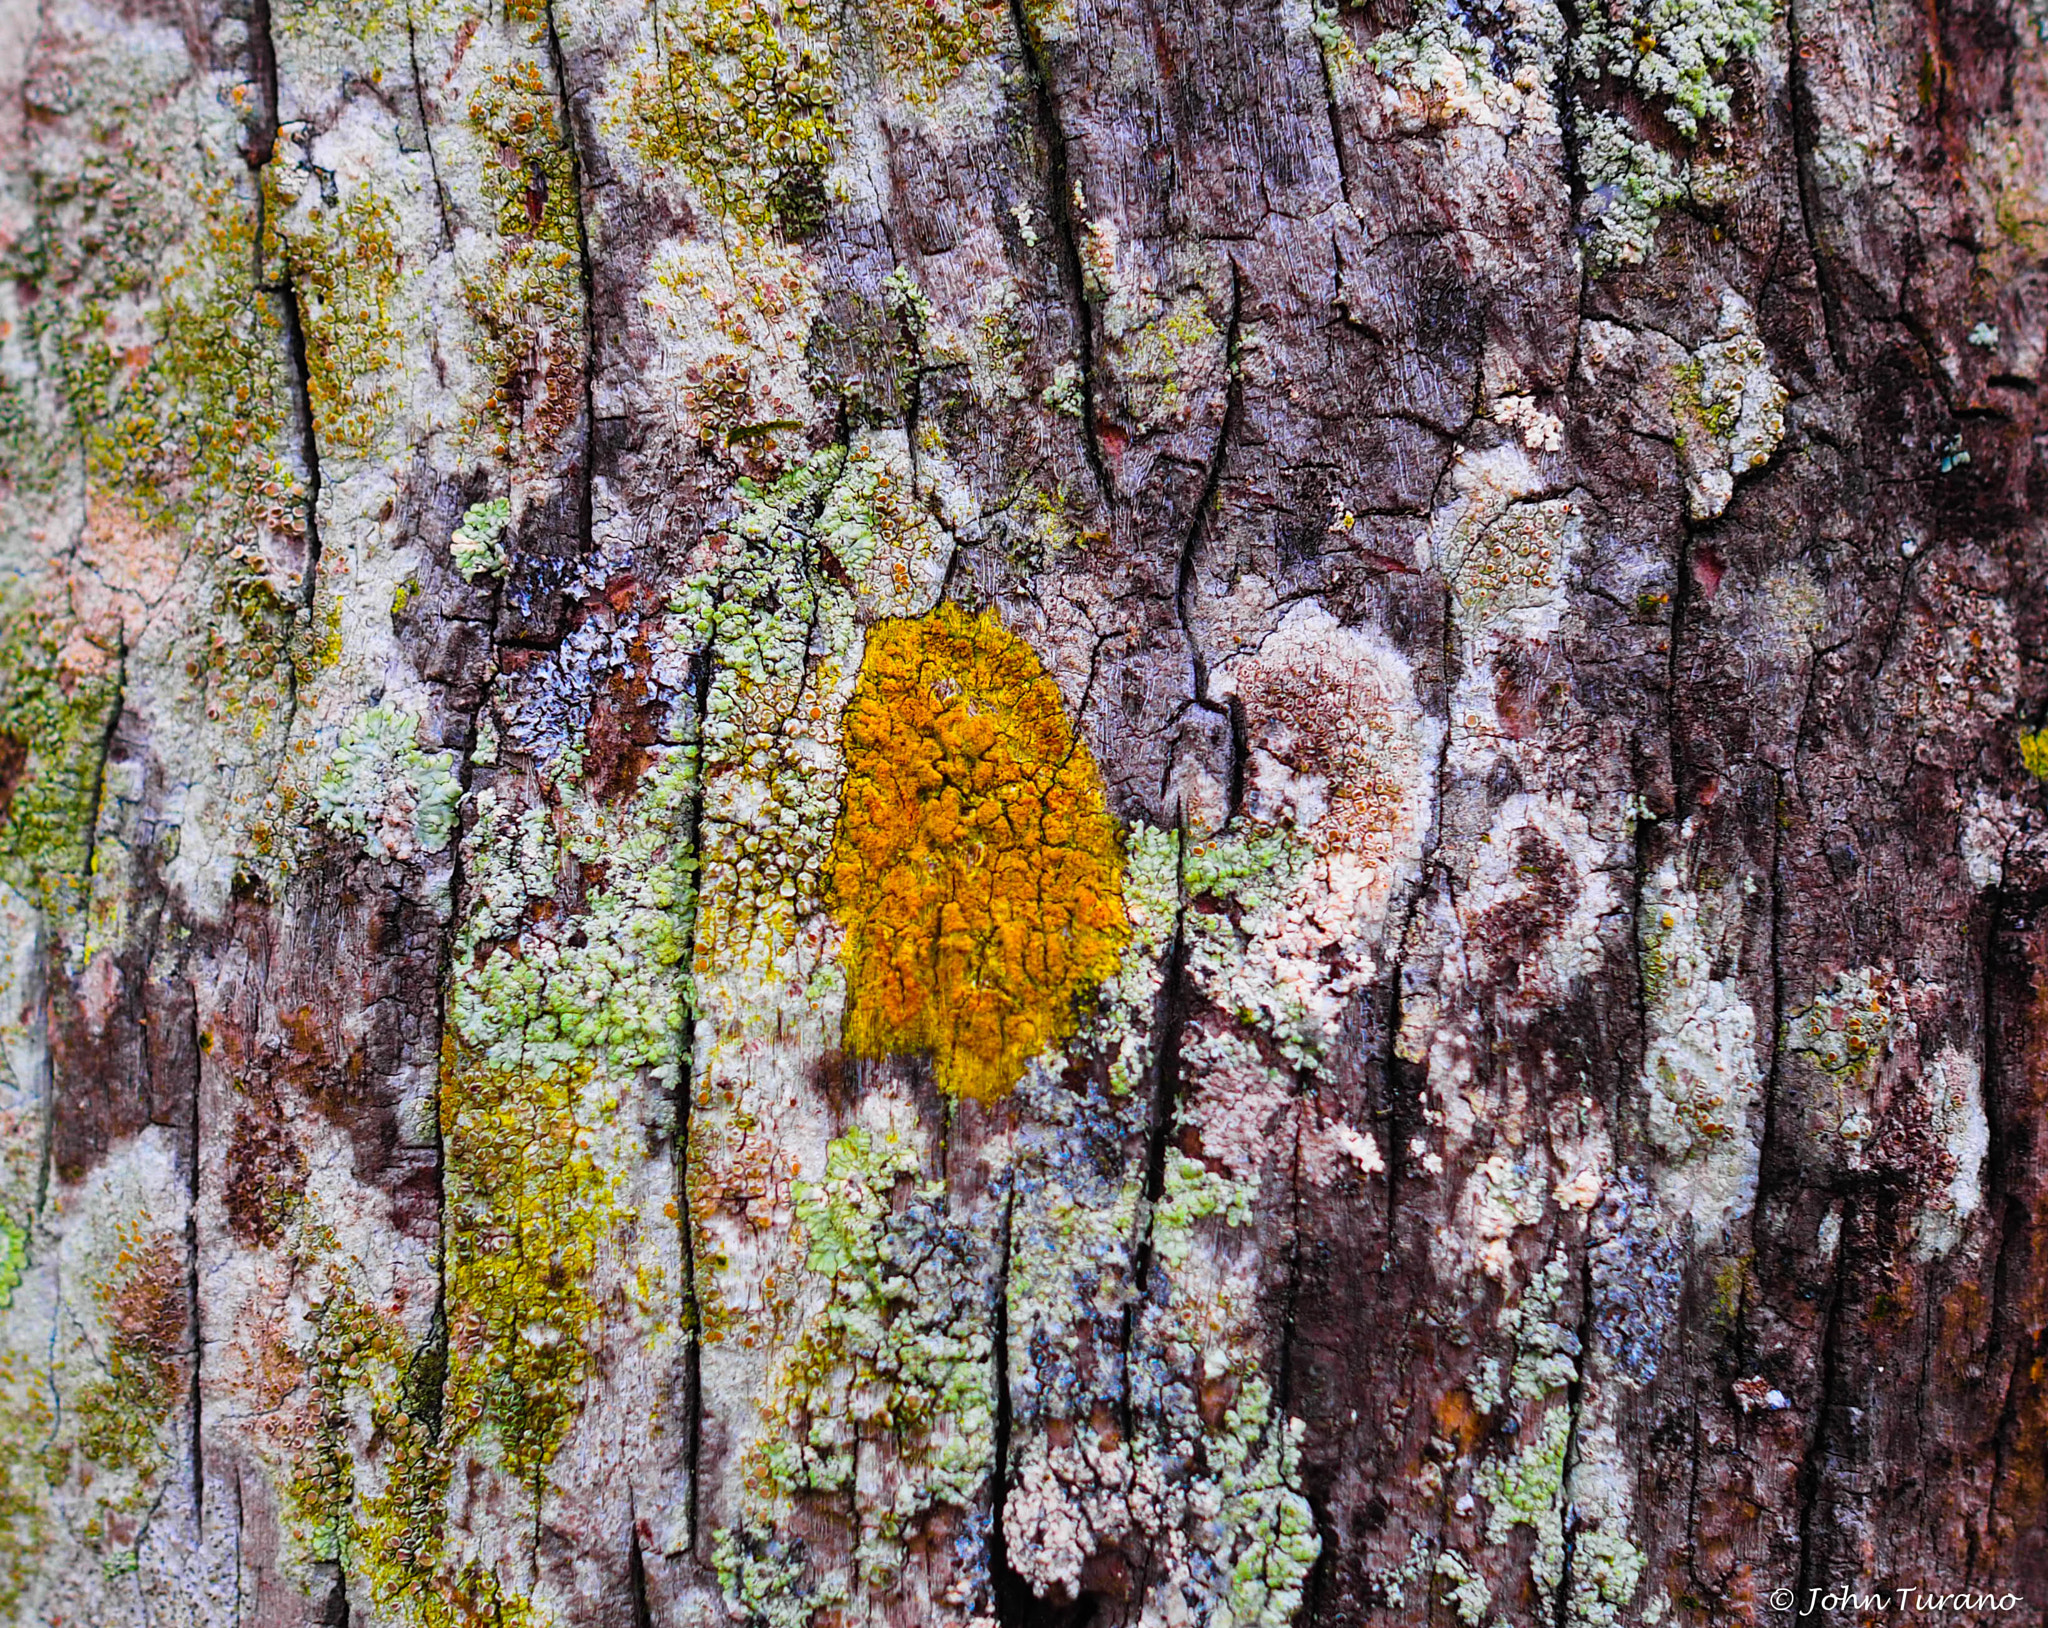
<point x="1022" y="812"/>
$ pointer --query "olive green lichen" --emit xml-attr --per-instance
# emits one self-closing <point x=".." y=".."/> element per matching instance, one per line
<point x="13" y="1259"/>
<point x="53" y="743"/>
<point x="121" y="1414"/>
<point x="2034" y="752"/>
<point x="526" y="300"/>
<point x="740" y="98"/>
<point x="1729" y="409"/>
<point x="343" y="261"/>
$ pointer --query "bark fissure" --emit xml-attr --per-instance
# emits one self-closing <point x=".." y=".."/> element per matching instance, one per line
<point x="586" y="466"/>
<point x="1813" y="1460"/>
<point x="1184" y="575"/>
<point x="419" y="96"/>
<point x="1060" y="208"/>
<point x="685" y="1107"/>
<point x="1575" y="1403"/>
<point x="1177" y="998"/>
<point x="1804" y="123"/>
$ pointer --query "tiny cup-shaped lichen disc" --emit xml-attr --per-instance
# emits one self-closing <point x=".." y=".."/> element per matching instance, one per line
<point x="976" y="870"/>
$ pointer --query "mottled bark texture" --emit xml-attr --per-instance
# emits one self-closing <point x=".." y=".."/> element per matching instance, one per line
<point x="1022" y="812"/>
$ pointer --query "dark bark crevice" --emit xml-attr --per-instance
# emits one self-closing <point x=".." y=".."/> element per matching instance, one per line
<point x="419" y="94"/>
<point x="1805" y="123"/>
<point x="1575" y="1403"/>
<point x="586" y="465"/>
<point x="1060" y="208"/>
<point x="636" y="1575"/>
<point x="1184" y="565"/>
<point x="194" y="1400"/>
<point x="1813" y="1460"/>
<point x="1674" y="711"/>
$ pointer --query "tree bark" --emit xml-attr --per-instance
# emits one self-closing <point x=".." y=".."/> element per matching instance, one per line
<point x="1109" y="812"/>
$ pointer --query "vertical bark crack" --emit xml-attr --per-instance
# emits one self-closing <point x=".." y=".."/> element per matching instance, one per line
<point x="1812" y="1461"/>
<point x="1184" y="565"/>
<point x="685" y="1105"/>
<point x="586" y="465"/>
<point x="1575" y="1404"/>
<point x="1060" y="206"/>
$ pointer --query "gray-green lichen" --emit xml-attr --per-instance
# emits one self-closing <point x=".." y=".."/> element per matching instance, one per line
<point x="1700" y="1073"/>
<point x="1676" y="54"/>
<point x="1729" y="409"/>
<point x="478" y="544"/>
<point x="382" y="787"/>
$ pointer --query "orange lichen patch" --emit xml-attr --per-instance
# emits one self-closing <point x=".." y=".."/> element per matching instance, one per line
<point x="975" y="869"/>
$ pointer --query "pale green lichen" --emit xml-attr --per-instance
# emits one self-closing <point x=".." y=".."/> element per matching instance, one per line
<point x="478" y="544"/>
<point x="1674" y="51"/>
<point x="1606" y="1571"/>
<point x="1547" y="1353"/>
<point x="1629" y="184"/>
<point x="763" y="1580"/>
<point x="13" y="1259"/>
<point x="1700" y="1076"/>
<point x="1193" y="1192"/>
<point x="382" y="787"/>
<point x="1256" y="873"/>
<point x="896" y="1362"/>
<point x="612" y="983"/>
<point x="1527" y="1489"/>
<point x="1729" y="409"/>
<point x="1455" y="73"/>
<point x="1468" y="1593"/>
<point x="1272" y="1532"/>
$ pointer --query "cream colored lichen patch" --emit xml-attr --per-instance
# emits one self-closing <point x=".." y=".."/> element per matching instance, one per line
<point x="1700" y="1073"/>
<point x="1535" y="889"/>
<point x="1336" y="804"/>
<point x="1729" y="408"/>
<point x="1439" y="72"/>
<point x="734" y="316"/>
<point x="1503" y="549"/>
<point x="1954" y="1089"/>
<point x="1340" y="753"/>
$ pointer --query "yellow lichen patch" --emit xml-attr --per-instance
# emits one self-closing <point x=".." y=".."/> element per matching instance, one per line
<point x="975" y="868"/>
<point x="2034" y="752"/>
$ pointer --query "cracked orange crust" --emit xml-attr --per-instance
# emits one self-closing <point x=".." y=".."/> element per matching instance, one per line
<point x="975" y="869"/>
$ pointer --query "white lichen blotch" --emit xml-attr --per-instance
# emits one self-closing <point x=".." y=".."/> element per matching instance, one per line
<point x="1338" y="801"/>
